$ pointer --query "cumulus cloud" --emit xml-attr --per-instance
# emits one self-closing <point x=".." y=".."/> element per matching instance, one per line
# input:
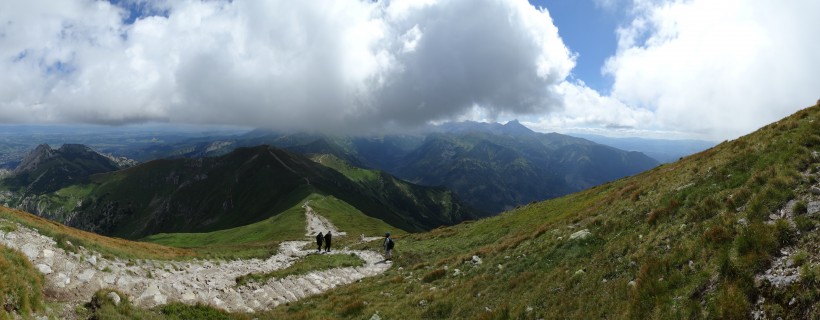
<point x="720" y="68"/>
<point x="325" y="64"/>
<point x="585" y="107"/>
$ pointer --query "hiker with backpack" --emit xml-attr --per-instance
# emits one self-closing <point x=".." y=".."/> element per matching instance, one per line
<point x="327" y="241"/>
<point x="388" y="247"/>
<point x="319" y="239"/>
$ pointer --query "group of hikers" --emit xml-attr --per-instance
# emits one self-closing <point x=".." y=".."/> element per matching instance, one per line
<point x="326" y="239"/>
<point x="387" y="244"/>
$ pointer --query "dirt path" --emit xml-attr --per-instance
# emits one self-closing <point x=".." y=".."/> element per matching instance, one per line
<point x="75" y="277"/>
<point x="317" y="223"/>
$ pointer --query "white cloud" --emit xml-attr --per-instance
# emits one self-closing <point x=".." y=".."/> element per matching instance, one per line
<point x="324" y="64"/>
<point x="722" y="68"/>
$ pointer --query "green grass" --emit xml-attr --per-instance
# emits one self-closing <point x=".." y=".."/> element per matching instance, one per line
<point x="21" y="287"/>
<point x="349" y="219"/>
<point x="312" y="262"/>
<point x="289" y="224"/>
<point x="351" y="172"/>
<point x="262" y="238"/>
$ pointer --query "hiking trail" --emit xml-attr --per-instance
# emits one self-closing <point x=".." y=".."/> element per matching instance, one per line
<point x="75" y="276"/>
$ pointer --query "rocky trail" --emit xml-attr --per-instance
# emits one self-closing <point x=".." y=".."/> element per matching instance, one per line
<point x="317" y="223"/>
<point x="75" y="276"/>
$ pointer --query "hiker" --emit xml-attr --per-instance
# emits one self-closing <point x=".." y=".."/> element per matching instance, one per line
<point x="319" y="238"/>
<point x="388" y="246"/>
<point x="327" y="241"/>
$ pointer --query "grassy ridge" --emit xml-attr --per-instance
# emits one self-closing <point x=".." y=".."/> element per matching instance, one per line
<point x="105" y="245"/>
<point x="262" y="238"/>
<point x="680" y="241"/>
<point x="349" y="219"/>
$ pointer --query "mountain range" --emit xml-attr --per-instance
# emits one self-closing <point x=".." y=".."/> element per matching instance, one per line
<point x="493" y="167"/>
<point x="728" y="233"/>
<point x="207" y="194"/>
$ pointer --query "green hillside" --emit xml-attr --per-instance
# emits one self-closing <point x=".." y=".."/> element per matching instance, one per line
<point x="241" y="188"/>
<point x="257" y="239"/>
<point x="684" y="240"/>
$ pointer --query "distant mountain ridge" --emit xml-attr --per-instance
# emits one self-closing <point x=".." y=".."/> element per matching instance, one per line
<point x="491" y="166"/>
<point x="243" y="187"/>
<point x="46" y="170"/>
<point x="497" y="166"/>
<point x="663" y="150"/>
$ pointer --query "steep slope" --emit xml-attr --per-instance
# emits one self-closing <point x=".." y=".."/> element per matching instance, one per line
<point x="46" y="170"/>
<point x="731" y="232"/>
<point x="240" y="188"/>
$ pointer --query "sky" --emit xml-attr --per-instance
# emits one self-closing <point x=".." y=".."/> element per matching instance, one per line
<point x="706" y="69"/>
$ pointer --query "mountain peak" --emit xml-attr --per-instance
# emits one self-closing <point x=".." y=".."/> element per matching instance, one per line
<point x="71" y="148"/>
<point x="515" y="127"/>
<point x="35" y="157"/>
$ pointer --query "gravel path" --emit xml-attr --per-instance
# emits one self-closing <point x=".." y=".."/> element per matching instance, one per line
<point x="74" y="277"/>
<point x="317" y="223"/>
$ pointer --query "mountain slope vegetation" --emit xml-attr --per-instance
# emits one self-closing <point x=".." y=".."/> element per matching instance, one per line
<point x="697" y="238"/>
<point x="690" y="239"/>
<point x="244" y="187"/>
<point x="490" y="166"/>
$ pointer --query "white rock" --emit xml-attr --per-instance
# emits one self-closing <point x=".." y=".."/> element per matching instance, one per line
<point x="583" y="234"/>
<point x="114" y="297"/>
<point x="110" y="278"/>
<point x="813" y="207"/>
<point x="86" y="275"/>
<point x="48" y="253"/>
<point x="61" y="280"/>
<point x="44" y="269"/>
<point x="30" y="250"/>
<point x="476" y="260"/>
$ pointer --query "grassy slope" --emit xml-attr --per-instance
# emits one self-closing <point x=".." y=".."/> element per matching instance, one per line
<point x="645" y="231"/>
<point x="111" y="246"/>
<point x="262" y="238"/>
<point x="21" y="286"/>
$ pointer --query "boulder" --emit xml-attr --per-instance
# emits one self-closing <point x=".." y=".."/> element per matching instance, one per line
<point x="114" y="297"/>
<point x="86" y="275"/>
<point x="580" y="235"/>
<point x="813" y="207"/>
<point x="30" y="250"/>
<point x="61" y="280"/>
<point x="44" y="269"/>
<point x="476" y="260"/>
